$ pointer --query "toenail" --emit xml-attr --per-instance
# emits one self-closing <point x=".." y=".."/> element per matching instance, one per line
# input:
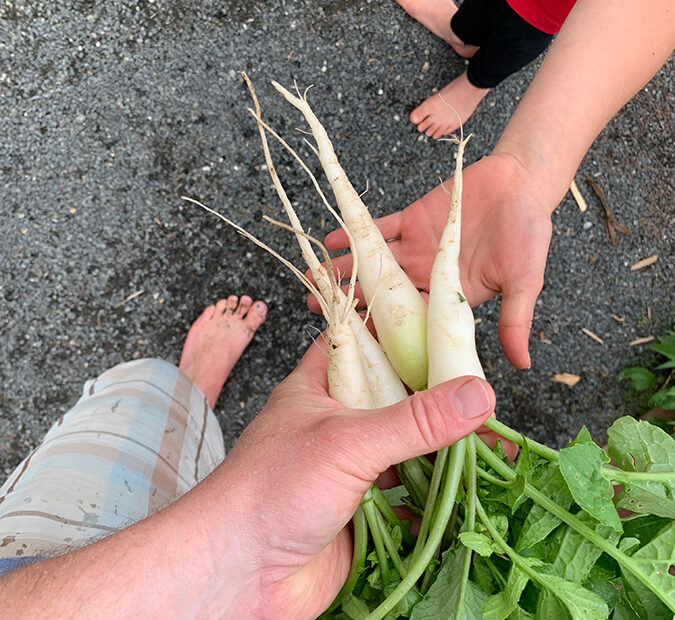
<point x="260" y="307"/>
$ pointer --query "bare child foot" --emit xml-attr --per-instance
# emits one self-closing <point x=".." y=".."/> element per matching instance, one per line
<point x="435" y="116"/>
<point x="216" y="341"/>
<point x="435" y="16"/>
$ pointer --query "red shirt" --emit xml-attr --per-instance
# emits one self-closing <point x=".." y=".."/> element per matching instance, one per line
<point x="546" y="15"/>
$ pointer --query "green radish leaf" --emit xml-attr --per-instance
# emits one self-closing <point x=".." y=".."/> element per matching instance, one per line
<point x="441" y="601"/>
<point x="583" y="436"/>
<point x="640" y="446"/>
<point x="628" y="545"/>
<point x="664" y="398"/>
<point x="657" y="561"/>
<point x="484" y="576"/>
<point x="643" y="527"/>
<point x="397" y="537"/>
<point x="354" y="608"/>
<point x="521" y="614"/>
<point x="498" y="450"/>
<point x="581" y="465"/>
<point x="643" y="447"/>
<point x="648" y="497"/>
<point x="515" y="493"/>
<point x="606" y="568"/>
<point x="499" y="520"/>
<point x="500" y="606"/>
<point x="405" y="605"/>
<point x="550" y="606"/>
<point x="624" y="611"/>
<point x="524" y="463"/>
<point x="395" y="495"/>
<point x="375" y="578"/>
<point x="539" y="522"/>
<point x="641" y="379"/>
<point x="479" y="543"/>
<point x="576" y="554"/>
<point x="606" y="590"/>
<point x="582" y="604"/>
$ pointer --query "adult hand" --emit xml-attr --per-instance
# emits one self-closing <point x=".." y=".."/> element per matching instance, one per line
<point x="266" y="534"/>
<point x="298" y="473"/>
<point x="506" y="230"/>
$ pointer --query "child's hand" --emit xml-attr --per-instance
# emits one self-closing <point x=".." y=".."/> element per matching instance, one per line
<point x="506" y="230"/>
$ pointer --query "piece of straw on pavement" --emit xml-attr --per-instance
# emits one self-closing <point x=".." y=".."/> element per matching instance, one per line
<point x="590" y="334"/>
<point x="637" y="341"/>
<point x="566" y="377"/>
<point x="581" y="202"/>
<point x="645" y="262"/>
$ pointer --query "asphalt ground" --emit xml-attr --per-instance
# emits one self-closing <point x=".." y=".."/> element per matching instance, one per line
<point x="112" y="111"/>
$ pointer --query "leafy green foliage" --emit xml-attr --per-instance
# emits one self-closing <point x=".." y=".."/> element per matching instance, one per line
<point x="641" y="379"/>
<point x="644" y="448"/>
<point x="540" y="523"/>
<point x="541" y="538"/>
<point x="501" y="605"/>
<point x="657" y="558"/>
<point x="581" y="466"/>
<point x="652" y="387"/>
<point x="442" y="600"/>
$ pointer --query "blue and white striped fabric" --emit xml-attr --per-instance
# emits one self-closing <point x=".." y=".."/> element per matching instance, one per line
<point x="141" y="435"/>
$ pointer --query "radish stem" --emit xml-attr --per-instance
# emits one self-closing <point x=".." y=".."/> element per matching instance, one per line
<point x="545" y="502"/>
<point x="445" y="506"/>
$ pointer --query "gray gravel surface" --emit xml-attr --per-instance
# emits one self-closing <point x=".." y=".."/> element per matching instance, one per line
<point x="111" y="111"/>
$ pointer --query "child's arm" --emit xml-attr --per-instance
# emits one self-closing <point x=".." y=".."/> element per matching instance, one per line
<point x="604" y="54"/>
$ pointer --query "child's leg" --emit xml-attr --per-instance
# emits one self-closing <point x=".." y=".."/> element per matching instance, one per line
<point x="510" y="44"/>
<point x="436" y="16"/>
<point x="142" y="434"/>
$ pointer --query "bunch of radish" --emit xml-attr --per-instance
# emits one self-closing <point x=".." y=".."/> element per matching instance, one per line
<point x="462" y="563"/>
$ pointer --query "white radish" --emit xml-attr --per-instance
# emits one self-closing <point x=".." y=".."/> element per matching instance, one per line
<point x="452" y="347"/>
<point x="347" y="379"/>
<point x="399" y="312"/>
<point x="452" y="353"/>
<point x="384" y="384"/>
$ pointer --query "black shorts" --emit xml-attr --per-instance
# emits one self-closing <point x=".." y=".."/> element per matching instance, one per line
<point x="506" y="41"/>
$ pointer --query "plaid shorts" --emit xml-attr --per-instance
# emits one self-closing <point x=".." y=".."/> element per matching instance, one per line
<point x="141" y="435"/>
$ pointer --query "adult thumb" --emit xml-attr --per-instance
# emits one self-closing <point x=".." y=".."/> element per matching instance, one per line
<point x="429" y="420"/>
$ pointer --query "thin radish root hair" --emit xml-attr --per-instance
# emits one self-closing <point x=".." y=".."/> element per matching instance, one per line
<point x="328" y="310"/>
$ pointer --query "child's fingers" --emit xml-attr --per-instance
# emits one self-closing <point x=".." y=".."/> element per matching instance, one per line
<point x="336" y="240"/>
<point x="515" y="322"/>
<point x="389" y="225"/>
<point x="313" y="304"/>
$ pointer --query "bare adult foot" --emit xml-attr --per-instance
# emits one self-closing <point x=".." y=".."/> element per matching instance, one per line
<point x="435" y="16"/>
<point x="435" y="116"/>
<point x="216" y="341"/>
